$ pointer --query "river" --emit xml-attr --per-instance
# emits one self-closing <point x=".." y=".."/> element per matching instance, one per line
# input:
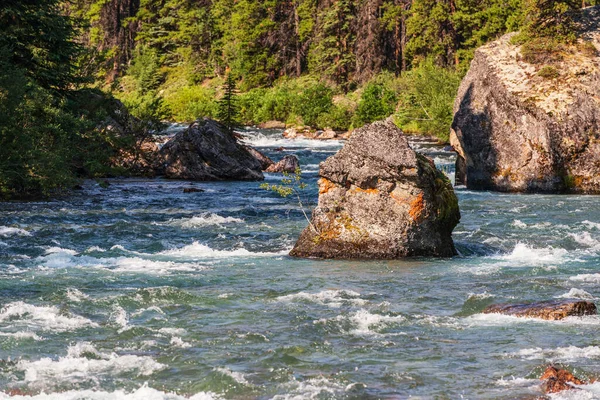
<point x="141" y="291"/>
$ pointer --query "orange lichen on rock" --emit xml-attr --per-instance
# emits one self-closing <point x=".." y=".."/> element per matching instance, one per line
<point x="417" y="206"/>
<point x="325" y="185"/>
<point x="367" y="191"/>
<point x="556" y="380"/>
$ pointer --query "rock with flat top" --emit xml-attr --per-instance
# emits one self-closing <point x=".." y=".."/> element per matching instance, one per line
<point x="378" y="199"/>
<point x="516" y="130"/>
<point x="548" y="310"/>
<point x="206" y="151"/>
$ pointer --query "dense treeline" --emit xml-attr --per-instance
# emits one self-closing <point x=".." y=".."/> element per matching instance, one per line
<point x="323" y="63"/>
<point x="168" y="58"/>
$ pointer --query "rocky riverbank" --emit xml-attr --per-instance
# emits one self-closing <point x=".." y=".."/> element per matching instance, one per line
<point x="519" y="128"/>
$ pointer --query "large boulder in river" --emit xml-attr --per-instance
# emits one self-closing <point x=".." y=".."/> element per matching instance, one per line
<point x="206" y="151"/>
<point x="378" y="199"/>
<point x="549" y="310"/>
<point x="527" y="127"/>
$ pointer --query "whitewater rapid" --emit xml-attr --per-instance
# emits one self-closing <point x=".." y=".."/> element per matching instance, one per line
<point x="142" y="291"/>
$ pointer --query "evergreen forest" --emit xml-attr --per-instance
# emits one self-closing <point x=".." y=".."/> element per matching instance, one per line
<point x="321" y="63"/>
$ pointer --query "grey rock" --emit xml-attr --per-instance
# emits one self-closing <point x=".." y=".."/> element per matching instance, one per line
<point x="378" y="199"/>
<point x="516" y="131"/>
<point x="265" y="162"/>
<point x="207" y="152"/>
<point x="288" y="164"/>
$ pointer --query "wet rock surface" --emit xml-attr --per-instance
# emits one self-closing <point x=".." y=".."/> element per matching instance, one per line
<point x="287" y="164"/>
<point x="207" y="152"/>
<point x="557" y="380"/>
<point x="516" y="131"/>
<point x="378" y="199"/>
<point x="548" y="310"/>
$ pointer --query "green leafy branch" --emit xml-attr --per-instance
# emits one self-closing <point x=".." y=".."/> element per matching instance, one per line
<point x="291" y="185"/>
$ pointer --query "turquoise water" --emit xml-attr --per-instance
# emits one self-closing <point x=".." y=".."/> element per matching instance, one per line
<point x="140" y="291"/>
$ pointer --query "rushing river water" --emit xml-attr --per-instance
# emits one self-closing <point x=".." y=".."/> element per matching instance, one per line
<point x="140" y="291"/>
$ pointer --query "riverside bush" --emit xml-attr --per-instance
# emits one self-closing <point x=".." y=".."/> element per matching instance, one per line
<point x="377" y="102"/>
<point x="426" y="100"/>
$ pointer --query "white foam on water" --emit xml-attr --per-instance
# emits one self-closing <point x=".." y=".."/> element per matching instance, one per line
<point x="332" y="298"/>
<point x="363" y="322"/>
<point x="155" y="309"/>
<point x="588" y="278"/>
<point x="523" y="253"/>
<point x="236" y="376"/>
<point x="57" y="257"/>
<point x="21" y="335"/>
<point x="585" y="392"/>
<point x="119" y="317"/>
<point x="7" y="231"/>
<point x="46" y="318"/>
<point x="562" y="354"/>
<point x="479" y="296"/>
<point x="95" y="249"/>
<point x="519" y="224"/>
<point x="517" y="382"/>
<point x="586" y="239"/>
<point x="314" y="388"/>
<point x="203" y="220"/>
<point x="141" y="265"/>
<point x="176" y="341"/>
<point x="591" y="225"/>
<point x="198" y="250"/>
<point x="143" y="393"/>
<point x="575" y="293"/>
<point x="76" y="295"/>
<point x="172" y="331"/>
<point x="259" y="140"/>
<point x="491" y="320"/>
<point x="84" y="363"/>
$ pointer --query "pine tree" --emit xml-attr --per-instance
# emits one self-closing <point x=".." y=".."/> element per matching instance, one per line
<point x="228" y="109"/>
<point x="550" y="18"/>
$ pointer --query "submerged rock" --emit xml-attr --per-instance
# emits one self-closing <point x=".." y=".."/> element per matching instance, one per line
<point x="548" y="310"/>
<point x="207" y="152"/>
<point x="378" y="199"/>
<point x="517" y="130"/>
<point x="557" y="380"/>
<point x="288" y="164"/>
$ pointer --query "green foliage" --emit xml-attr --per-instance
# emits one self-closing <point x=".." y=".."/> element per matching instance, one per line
<point x="550" y="19"/>
<point x="190" y="103"/>
<point x="40" y="42"/>
<point x="290" y="185"/>
<point x="339" y="118"/>
<point x="139" y="88"/>
<point x="47" y="129"/>
<point x="426" y="99"/>
<point x="227" y="111"/>
<point x="315" y="100"/>
<point x="543" y="50"/>
<point x="548" y="72"/>
<point x="377" y="102"/>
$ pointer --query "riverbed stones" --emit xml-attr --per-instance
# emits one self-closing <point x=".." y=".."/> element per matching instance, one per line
<point x="549" y="310"/>
<point x="518" y="131"/>
<point x="206" y="151"/>
<point x="378" y="199"/>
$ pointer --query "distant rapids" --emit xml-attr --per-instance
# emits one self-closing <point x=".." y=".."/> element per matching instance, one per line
<point x="141" y="291"/>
